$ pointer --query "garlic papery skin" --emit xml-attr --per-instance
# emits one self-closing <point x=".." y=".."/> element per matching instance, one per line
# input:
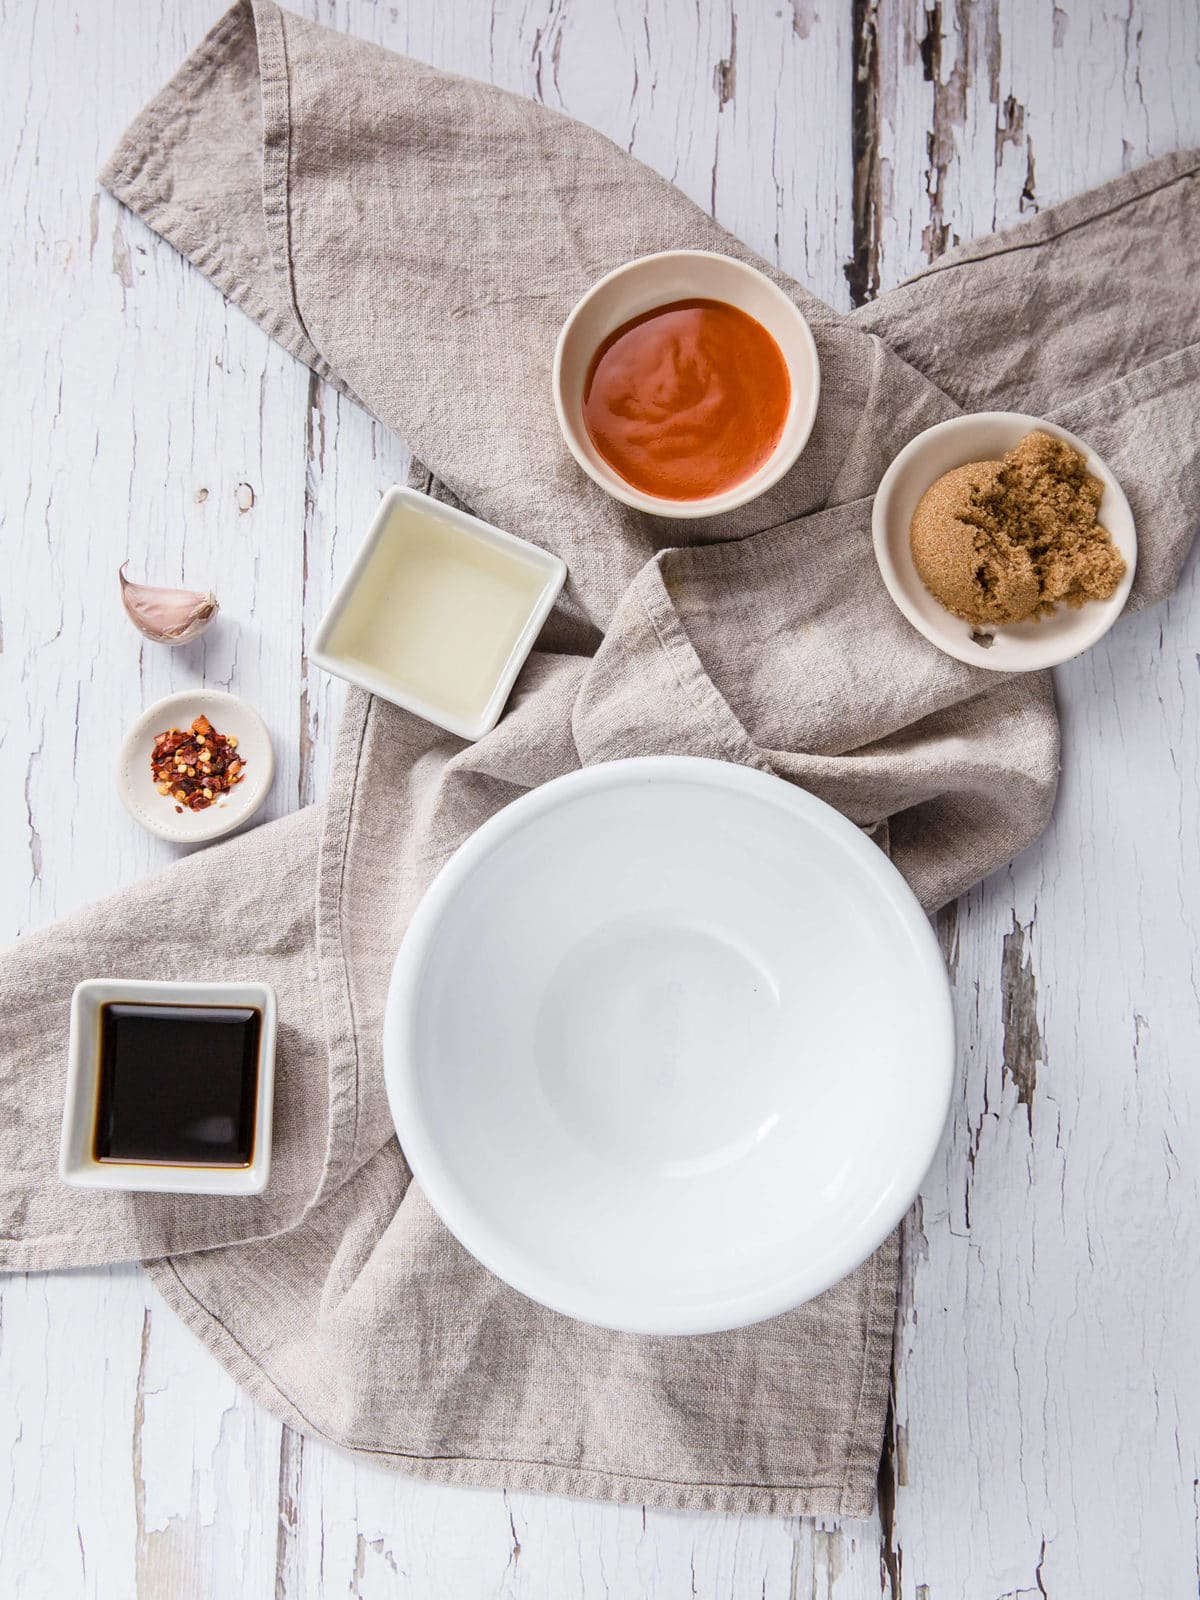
<point x="168" y="616"/>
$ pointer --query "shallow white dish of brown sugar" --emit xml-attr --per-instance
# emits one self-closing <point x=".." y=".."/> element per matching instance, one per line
<point x="1014" y="646"/>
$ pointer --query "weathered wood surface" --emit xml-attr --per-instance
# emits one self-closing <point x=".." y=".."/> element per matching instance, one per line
<point x="1047" y="1412"/>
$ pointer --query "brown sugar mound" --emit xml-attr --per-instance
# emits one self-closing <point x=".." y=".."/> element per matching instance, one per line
<point x="1003" y="541"/>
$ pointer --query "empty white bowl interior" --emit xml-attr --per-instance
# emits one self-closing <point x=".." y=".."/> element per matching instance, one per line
<point x="685" y="275"/>
<point x="677" y="1059"/>
<point x="1015" y="647"/>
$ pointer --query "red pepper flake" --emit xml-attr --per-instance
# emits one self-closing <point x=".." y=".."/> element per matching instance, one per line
<point x="197" y="767"/>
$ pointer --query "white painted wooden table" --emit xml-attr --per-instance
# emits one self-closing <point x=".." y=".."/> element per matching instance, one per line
<point x="1047" y="1399"/>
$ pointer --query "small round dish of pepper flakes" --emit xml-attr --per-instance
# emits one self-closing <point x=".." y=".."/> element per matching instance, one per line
<point x="195" y="766"/>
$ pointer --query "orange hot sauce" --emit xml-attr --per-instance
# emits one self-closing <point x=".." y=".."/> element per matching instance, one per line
<point x="687" y="400"/>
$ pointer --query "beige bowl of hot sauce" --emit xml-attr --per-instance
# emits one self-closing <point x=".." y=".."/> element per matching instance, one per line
<point x="686" y="383"/>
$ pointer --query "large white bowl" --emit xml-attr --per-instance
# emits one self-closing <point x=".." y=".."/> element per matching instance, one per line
<point x="658" y="280"/>
<point x="669" y="1045"/>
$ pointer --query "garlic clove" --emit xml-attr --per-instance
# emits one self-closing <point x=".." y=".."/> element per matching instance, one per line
<point x="168" y="616"/>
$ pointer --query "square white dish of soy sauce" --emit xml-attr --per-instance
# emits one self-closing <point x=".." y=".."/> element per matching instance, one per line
<point x="170" y="1087"/>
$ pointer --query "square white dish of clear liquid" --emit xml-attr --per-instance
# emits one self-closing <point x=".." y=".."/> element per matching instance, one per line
<point x="438" y="612"/>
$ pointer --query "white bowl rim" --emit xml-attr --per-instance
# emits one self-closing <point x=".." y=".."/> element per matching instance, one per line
<point x="221" y="823"/>
<point x="474" y="1231"/>
<point x="1094" y="620"/>
<point x="768" y="475"/>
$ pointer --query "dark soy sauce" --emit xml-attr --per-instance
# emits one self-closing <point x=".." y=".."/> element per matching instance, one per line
<point x="178" y="1084"/>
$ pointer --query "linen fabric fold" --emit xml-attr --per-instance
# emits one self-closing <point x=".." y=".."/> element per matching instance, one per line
<point x="417" y="239"/>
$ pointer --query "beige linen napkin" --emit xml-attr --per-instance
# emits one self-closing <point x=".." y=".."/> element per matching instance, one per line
<point x="418" y="239"/>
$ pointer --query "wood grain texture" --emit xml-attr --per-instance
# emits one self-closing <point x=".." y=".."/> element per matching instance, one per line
<point x="1046" y="1415"/>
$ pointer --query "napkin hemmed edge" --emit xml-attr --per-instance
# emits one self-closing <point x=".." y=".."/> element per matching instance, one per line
<point x="852" y="1495"/>
<point x="137" y="173"/>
